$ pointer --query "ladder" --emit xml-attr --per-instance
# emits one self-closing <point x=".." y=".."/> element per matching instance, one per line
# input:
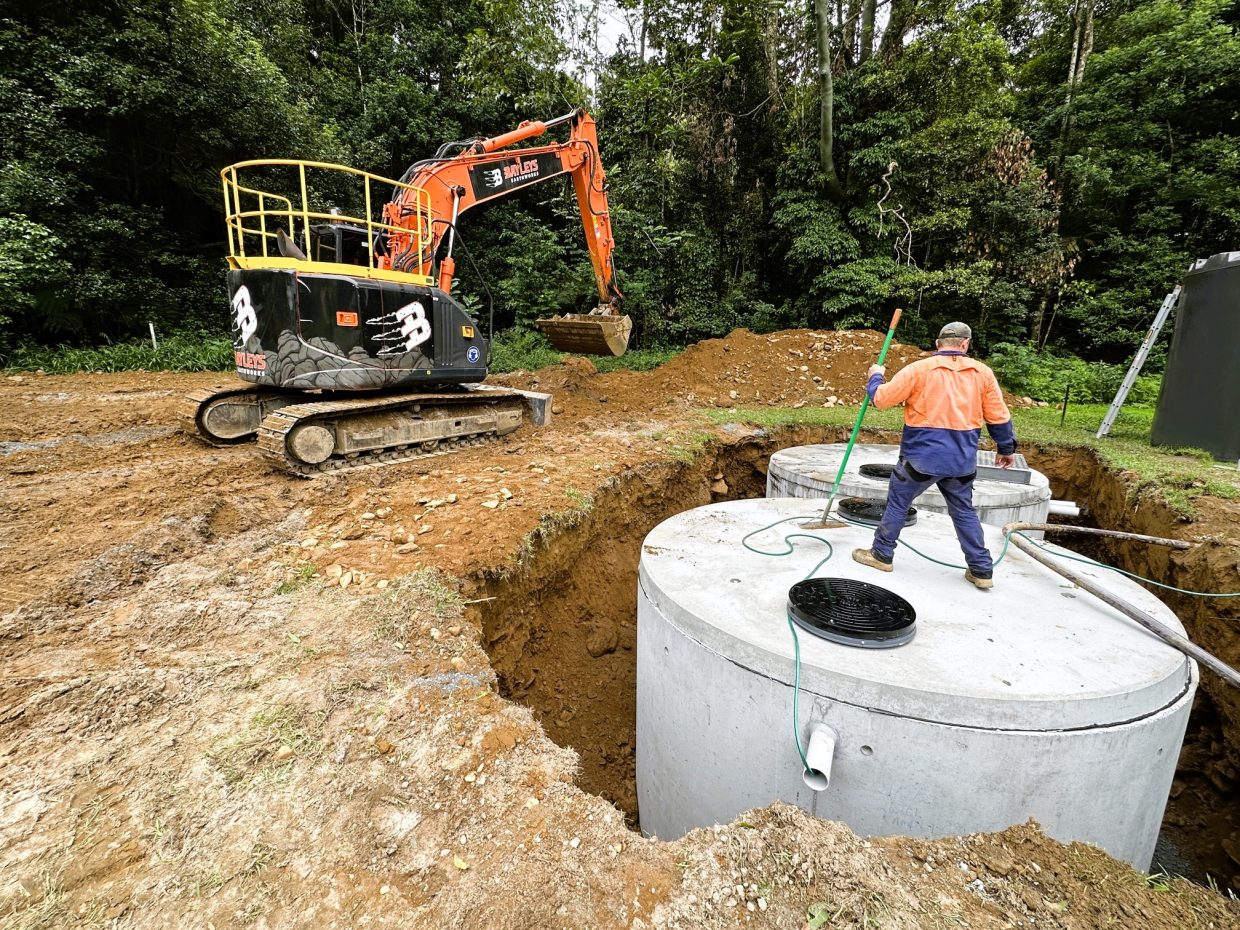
<point x="1130" y="379"/>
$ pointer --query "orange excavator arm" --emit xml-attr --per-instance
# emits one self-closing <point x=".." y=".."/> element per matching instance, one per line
<point x="481" y="170"/>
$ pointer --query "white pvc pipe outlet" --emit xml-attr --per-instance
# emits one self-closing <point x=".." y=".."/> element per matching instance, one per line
<point x="818" y="757"/>
<point x="1065" y="509"/>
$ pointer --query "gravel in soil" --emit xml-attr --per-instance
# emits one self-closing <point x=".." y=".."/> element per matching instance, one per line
<point x="235" y="698"/>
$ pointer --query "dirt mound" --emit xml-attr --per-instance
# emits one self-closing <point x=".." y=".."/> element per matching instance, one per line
<point x="795" y="368"/>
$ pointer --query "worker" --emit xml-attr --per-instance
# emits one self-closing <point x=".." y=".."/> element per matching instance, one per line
<point x="946" y="399"/>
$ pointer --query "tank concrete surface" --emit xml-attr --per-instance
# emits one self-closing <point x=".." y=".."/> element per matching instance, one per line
<point x="809" y="472"/>
<point x="1030" y="700"/>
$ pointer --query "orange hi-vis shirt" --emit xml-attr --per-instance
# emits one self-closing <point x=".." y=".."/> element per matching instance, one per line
<point x="947" y="398"/>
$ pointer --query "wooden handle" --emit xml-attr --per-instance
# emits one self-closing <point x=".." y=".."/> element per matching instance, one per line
<point x="895" y="318"/>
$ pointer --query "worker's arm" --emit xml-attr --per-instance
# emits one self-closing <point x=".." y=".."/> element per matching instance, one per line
<point x="898" y="391"/>
<point x="998" y="419"/>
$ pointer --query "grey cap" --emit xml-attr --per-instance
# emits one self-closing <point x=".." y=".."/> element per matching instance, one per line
<point x="956" y="331"/>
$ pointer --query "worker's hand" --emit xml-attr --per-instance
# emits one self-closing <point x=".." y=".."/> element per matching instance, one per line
<point x="876" y="370"/>
<point x="1005" y="461"/>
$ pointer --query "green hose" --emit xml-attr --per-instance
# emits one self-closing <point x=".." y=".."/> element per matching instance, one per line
<point x="865" y="405"/>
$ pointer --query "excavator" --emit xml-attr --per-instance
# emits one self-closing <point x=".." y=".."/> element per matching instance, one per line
<point x="353" y="350"/>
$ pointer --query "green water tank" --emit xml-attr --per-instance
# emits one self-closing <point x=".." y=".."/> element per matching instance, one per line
<point x="1199" y="404"/>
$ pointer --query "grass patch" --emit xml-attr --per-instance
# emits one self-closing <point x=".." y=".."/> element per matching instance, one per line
<point x="50" y="910"/>
<point x="250" y="755"/>
<point x="1180" y="476"/>
<point x="1043" y="376"/>
<point x="634" y="359"/>
<point x="514" y="350"/>
<point x="296" y="581"/>
<point x="580" y="499"/>
<point x="424" y="594"/>
<point x="687" y="446"/>
<point x="177" y="352"/>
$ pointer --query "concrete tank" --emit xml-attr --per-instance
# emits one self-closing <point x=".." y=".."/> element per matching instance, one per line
<point x="1030" y="700"/>
<point x="809" y="471"/>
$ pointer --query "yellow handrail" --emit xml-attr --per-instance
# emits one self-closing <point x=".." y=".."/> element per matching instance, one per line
<point x="283" y="208"/>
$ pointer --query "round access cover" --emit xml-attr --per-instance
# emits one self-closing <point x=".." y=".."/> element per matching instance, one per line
<point x="878" y="470"/>
<point x="869" y="512"/>
<point x="852" y="613"/>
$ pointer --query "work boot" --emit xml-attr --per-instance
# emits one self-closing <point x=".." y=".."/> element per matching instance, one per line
<point x="867" y="557"/>
<point x="983" y="584"/>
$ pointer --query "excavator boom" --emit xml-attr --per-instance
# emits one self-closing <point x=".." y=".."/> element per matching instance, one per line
<point x="482" y="170"/>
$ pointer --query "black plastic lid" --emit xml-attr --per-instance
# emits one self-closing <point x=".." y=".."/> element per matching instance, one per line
<point x="870" y="512"/>
<point x="852" y="613"/>
<point x="877" y="470"/>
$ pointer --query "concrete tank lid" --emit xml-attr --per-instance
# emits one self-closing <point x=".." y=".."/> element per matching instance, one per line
<point x="1034" y="653"/>
<point x="816" y="466"/>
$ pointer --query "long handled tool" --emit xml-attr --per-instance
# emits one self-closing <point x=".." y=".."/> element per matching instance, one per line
<point x="826" y="522"/>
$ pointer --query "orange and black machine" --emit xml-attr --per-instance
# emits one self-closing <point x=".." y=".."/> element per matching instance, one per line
<point x="353" y="303"/>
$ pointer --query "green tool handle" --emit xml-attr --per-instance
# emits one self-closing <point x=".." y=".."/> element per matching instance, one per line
<point x="852" y="440"/>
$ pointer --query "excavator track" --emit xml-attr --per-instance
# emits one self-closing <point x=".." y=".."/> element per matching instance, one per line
<point x="197" y="407"/>
<point x="336" y="433"/>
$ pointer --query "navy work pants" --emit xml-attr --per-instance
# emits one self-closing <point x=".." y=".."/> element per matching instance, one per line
<point x="907" y="483"/>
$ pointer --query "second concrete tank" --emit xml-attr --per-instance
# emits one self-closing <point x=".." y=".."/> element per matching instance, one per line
<point x="809" y="472"/>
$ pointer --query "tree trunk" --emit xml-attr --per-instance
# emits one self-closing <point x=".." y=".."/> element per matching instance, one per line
<point x="902" y="19"/>
<point x="1082" y="45"/>
<point x="1035" y="323"/>
<point x="645" y="19"/>
<point x="849" y="36"/>
<point x="867" y="29"/>
<point x="826" y="90"/>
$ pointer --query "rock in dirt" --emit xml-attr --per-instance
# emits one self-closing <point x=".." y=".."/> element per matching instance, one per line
<point x="283" y="754"/>
<point x="1030" y="898"/>
<point x="602" y="639"/>
<point x="998" y="860"/>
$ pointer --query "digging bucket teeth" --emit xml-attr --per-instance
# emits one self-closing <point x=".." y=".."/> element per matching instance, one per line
<point x="588" y="333"/>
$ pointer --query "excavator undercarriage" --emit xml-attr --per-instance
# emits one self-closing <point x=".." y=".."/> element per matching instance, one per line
<point x="311" y="435"/>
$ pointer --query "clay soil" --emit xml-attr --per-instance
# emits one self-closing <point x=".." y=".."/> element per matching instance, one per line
<point x="403" y="696"/>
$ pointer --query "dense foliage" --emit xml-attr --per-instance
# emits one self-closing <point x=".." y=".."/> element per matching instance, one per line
<point x="1042" y="169"/>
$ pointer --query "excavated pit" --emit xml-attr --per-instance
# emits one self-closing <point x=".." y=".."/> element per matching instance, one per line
<point x="561" y="628"/>
<point x="562" y="631"/>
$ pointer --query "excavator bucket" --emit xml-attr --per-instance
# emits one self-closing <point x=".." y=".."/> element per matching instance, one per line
<point x="588" y="333"/>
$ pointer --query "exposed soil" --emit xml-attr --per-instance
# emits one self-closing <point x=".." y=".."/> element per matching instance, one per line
<point x="1203" y="817"/>
<point x="230" y="697"/>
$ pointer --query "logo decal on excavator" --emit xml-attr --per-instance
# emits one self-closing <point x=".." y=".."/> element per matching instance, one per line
<point x="495" y="178"/>
<point x="247" y="319"/>
<point x="414" y="325"/>
<point x="402" y="330"/>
